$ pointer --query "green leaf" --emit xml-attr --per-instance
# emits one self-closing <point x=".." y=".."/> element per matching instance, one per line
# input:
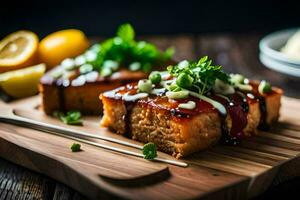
<point x="71" y="118"/>
<point x="149" y="151"/>
<point x="169" y="53"/>
<point x="198" y="76"/>
<point x="75" y="147"/>
<point x="124" y="50"/>
<point x="126" y="32"/>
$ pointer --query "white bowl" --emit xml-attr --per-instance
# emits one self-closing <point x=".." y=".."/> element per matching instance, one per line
<point x="271" y="44"/>
<point x="282" y="67"/>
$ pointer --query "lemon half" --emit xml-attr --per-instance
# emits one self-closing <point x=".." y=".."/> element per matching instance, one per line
<point x="18" y="50"/>
<point x="22" y="82"/>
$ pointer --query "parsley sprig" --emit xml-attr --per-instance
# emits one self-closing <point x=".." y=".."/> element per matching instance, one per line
<point x="198" y="76"/>
<point x="149" y="151"/>
<point x="125" y="50"/>
<point x="70" y="118"/>
<point x="75" y="147"/>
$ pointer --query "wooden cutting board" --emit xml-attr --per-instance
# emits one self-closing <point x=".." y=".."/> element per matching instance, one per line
<point x="222" y="172"/>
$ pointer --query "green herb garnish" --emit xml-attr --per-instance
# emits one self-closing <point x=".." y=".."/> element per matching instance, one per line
<point x="145" y="85"/>
<point x="264" y="87"/>
<point x="149" y="151"/>
<point x="125" y="50"/>
<point x="71" y="118"/>
<point x="155" y="77"/>
<point x="75" y="147"/>
<point x="198" y="76"/>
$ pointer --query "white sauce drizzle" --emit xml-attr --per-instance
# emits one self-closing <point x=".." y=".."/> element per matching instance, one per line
<point x="113" y="93"/>
<point x="128" y="97"/>
<point x="216" y="104"/>
<point x="157" y="91"/>
<point x="244" y="87"/>
<point x="190" y="105"/>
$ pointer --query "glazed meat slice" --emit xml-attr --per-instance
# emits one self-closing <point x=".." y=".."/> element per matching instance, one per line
<point x="156" y="119"/>
<point x="81" y="92"/>
<point x="180" y="132"/>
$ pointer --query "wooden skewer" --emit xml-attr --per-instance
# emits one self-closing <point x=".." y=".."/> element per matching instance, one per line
<point x="79" y="136"/>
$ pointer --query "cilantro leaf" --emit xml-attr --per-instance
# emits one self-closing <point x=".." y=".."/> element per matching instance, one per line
<point x="75" y="147"/>
<point x="198" y="76"/>
<point x="71" y="118"/>
<point x="126" y="32"/>
<point x="149" y="151"/>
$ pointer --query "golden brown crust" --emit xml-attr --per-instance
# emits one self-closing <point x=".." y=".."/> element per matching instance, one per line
<point x="148" y="124"/>
<point x="179" y="137"/>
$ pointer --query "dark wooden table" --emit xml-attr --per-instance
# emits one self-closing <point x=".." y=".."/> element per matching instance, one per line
<point x="238" y="53"/>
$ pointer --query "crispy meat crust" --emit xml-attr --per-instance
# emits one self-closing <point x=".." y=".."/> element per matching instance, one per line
<point x="172" y="135"/>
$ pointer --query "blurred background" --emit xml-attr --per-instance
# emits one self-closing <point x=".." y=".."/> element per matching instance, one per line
<point x="96" y="17"/>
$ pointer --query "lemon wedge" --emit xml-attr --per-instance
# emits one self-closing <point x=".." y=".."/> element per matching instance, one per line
<point x="22" y="82"/>
<point x="18" y="50"/>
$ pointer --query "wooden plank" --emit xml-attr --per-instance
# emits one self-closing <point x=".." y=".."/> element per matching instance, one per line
<point x="87" y="171"/>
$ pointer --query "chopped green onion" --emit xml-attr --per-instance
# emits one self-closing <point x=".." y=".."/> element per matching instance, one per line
<point x="237" y="78"/>
<point x="184" y="80"/>
<point x="155" y="77"/>
<point x="221" y="87"/>
<point x="173" y="87"/>
<point x="135" y="66"/>
<point x="80" y="60"/>
<point x="183" y="64"/>
<point x="190" y="105"/>
<point x="177" y="95"/>
<point x="96" y="48"/>
<point x="90" y="56"/>
<point x="244" y="87"/>
<point x="111" y="64"/>
<point x="86" y="68"/>
<point x="75" y="147"/>
<point x="145" y="85"/>
<point x="106" y="72"/>
<point x="68" y="64"/>
<point x="57" y="73"/>
<point x="149" y="151"/>
<point x="264" y="87"/>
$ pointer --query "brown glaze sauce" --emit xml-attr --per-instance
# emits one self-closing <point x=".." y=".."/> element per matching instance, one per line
<point x="160" y="101"/>
<point x="237" y="106"/>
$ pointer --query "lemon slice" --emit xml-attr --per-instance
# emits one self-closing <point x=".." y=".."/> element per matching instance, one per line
<point x="18" y="50"/>
<point x="22" y="82"/>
